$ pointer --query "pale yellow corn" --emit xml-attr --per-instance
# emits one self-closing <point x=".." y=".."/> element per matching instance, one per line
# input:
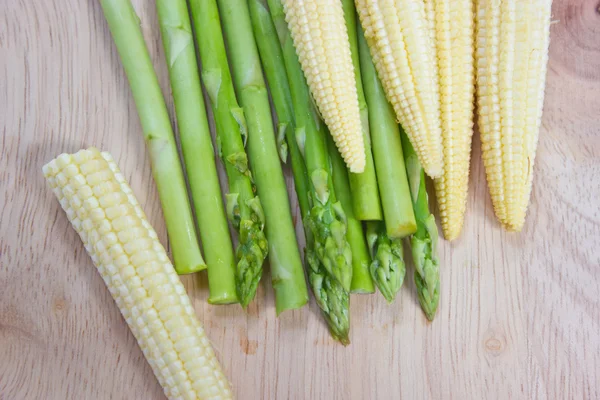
<point x="135" y="267"/>
<point x="400" y="39"/>
<point x="320" y="37"/>
<point x="453" y="32"/>
<point x="512" y="53"/>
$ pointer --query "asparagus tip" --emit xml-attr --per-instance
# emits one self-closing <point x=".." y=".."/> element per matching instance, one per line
<point x="428" y="300"/>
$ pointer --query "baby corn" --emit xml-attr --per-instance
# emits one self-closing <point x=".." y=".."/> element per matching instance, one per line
<point x="511" y="55"/>
<point x="453" y="31"/>
<point x="134" y="265"/>
<point x="399" y="36"/>
<point x="320" y="37"/>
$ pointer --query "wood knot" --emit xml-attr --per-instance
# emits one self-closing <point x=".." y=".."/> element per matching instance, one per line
<point x="60" y="304"/>
<point x="494" y="344"/>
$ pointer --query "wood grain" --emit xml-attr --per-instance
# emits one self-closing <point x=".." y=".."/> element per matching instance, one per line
<point x="519" y="314"/>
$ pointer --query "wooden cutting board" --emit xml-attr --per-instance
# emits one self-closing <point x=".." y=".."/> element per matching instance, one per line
<point x="519" y="314"/>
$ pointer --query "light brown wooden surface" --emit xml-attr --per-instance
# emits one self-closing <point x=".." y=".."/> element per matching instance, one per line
<point x="519" y="314"/>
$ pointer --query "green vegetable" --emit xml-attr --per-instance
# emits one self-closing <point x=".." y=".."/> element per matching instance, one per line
<point x="328" y="253"/>
<point x="424" y="241"/>
<point x="365" y="193"/>
<point x="284" y="257"/>
<point x="272" y="62"/>
<point x="387" y="150"/>
<point x="197" y="149"/>
<point x="387" y="268"/>
<point x="124" y="25"/>
<point x="243" y="207"/>
<point x="361" y="278"/>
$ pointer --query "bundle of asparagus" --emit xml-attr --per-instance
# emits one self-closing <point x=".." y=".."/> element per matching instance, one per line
<point x="354" y="222"/>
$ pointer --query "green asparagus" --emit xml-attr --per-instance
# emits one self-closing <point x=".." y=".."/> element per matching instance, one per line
<point x="361" y="277"/>
<point x="424" y="241"/>
<point x="272" y="62"/>
<point x="244" y="209"/>
<point x="328" y="253"/>
<point x="387" y="151"/>
<point x="365" y="193"/>
<point x="284" y="257"/>
<point x="197" y="149"/>
<point x="387" y="268"/>
<point x="124" y="25"/>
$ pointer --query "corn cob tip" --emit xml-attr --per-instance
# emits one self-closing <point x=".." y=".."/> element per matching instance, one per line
<point x="356" y="165"/>
<point x="451" y="234"/>
<point x="515" y="225"/>
<point x="434" y="170"/>
<point x="512" y="228"/>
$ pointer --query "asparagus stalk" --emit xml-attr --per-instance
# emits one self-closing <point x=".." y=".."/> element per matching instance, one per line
<point x="158" y="134"/>
<point x="272" y="61"/>
<point x="361" y="277"/>
<point x="197" y="149"/>
<point x="244" y="209"/>
<point x="387" y="151"/>
<point x="365" y="193"/>
<point x="284" y="257"/>
<point x="328" y="253"/>
<point x="424" y="241"/>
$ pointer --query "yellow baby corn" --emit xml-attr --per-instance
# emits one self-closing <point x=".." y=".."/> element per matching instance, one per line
<point x="320" y="37"/>
<point x="399" y="35"/>
<point x="511" y="56"/>
<point x="453" y="31"/>
<point x="135" y="267"/>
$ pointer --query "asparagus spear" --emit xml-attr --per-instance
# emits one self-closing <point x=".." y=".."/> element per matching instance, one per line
<point x="424" y="241"/>
<point x="365" y="194"/>
<point x="361" y="277"/>
<point x="197" y="149"/>
<point x="243" y="207"/>
<point x="328" y="253"/>
<point x="387" y="151"/>
<point x="158" y="134"/>
<point x="272" y="62"/>
<point x="284" y="257"/>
